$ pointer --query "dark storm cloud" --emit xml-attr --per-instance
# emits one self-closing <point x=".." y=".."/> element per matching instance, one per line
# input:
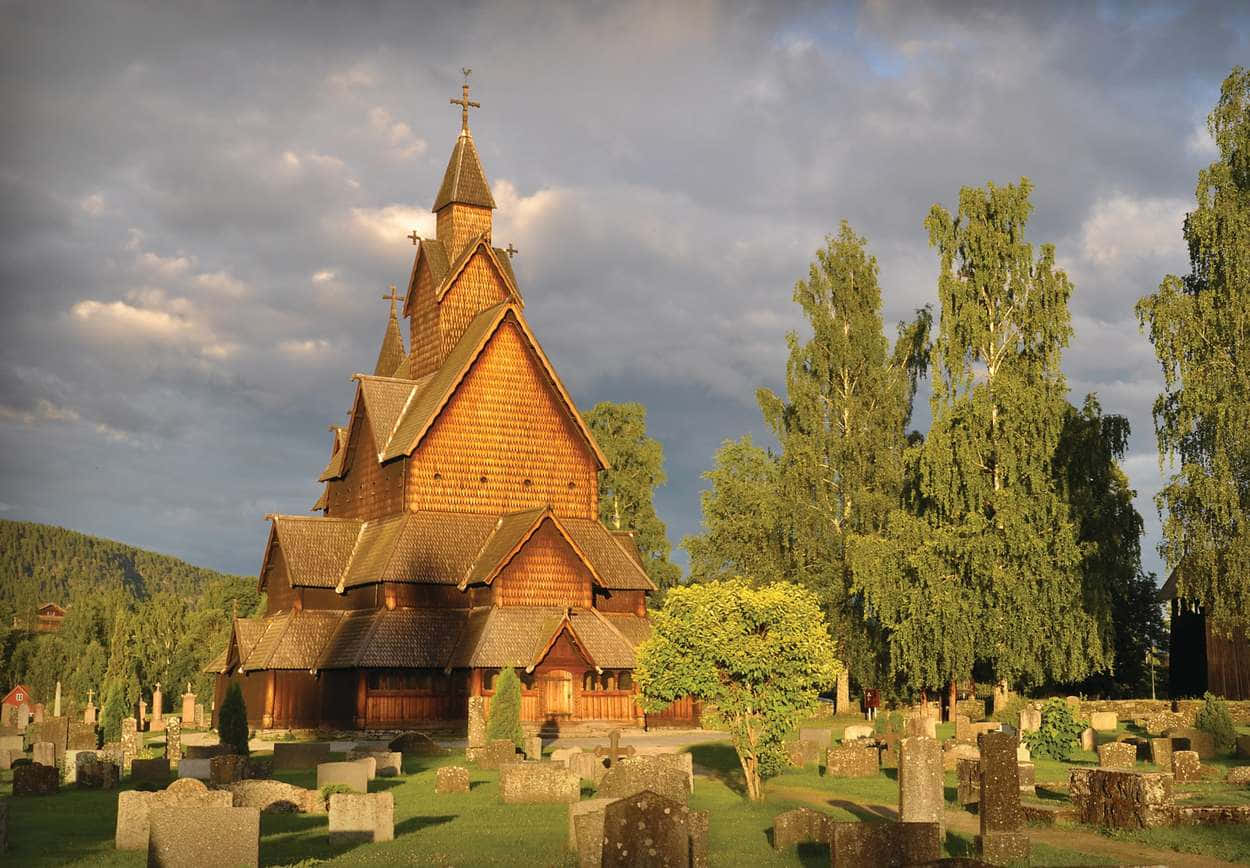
<point x="200" y="207"/>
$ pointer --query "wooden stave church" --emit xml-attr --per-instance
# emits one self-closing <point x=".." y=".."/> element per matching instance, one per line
<point x="459" y="527"/>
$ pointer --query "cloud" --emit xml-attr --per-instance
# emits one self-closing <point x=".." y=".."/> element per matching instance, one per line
<point x="397" y="134"/>
<point x="43" y="412"/>
<point x="387" y="226"/>
<point x="1123" y="227"/>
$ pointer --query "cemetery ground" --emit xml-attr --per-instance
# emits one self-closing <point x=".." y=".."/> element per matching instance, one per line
<point x="476" y="828"/>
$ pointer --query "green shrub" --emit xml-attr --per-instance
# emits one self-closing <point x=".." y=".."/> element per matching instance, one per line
<point x="114" y="709"/>
<point x="1059" y="734"/>
<point x="330" y="789"/>
<point x="1215" y="719"/>
<point x="888" y="721"/>
<point x="504" y="721"/>
<point x="1010" y="712"/>
<point x="232" y="720"/>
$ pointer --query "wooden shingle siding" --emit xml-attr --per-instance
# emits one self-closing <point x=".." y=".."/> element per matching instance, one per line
<point x="368" y="490"/>
<point x="479" y="286"/>
<point x="280" y="596"/>
<point x="505" y="424"/>
<point x="459" y="224"/>
<point x="425" y="345"/>
<point x="546" y="572"/>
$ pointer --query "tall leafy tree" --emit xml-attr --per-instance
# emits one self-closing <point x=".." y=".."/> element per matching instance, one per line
<point x="1200" y="327"/>
<point x="841" y="426"/>
<point x="742" y="530"/>
<point x="627" y="489"/>
<point x="985" y="563"/>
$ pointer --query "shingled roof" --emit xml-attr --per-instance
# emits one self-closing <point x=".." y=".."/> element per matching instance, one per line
<point x="520" y="636"/>
<point x="464" y="182"/>
<point x="316" y="549"/>
<point x="496" y="256"/>
<point x="617" y="569"/>
<point x="391" y="353"/>
<point x="336" y="467"/>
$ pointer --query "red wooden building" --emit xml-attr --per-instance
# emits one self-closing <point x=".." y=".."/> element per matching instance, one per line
<point x="458" y="530"/>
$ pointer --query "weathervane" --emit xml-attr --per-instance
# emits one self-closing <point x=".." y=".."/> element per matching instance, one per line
<point x="464" y="102"/>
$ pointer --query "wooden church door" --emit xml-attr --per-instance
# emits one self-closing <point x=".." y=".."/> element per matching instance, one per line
<point x="556" y="693"/>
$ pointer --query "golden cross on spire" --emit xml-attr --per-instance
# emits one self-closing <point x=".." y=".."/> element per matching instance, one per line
<point x="413" y="237"/>
<point x="392" y="298"/>
<point x="510" y="250"/>
<point x="464" y="102"/>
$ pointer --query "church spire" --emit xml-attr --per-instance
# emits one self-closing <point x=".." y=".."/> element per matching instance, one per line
<point x="391" y="355"/>
<point x="464" y="202"/>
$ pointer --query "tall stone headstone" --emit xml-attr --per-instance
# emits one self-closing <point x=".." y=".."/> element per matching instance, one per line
<point x="188" y="707"/>
<point x="646" y="829"/>
<point x="477" y="726"/>
<point x="158" y="709"/>
<point x="23" y="717"/>
<point x="1030" y="719"/>
<point x="56" y="702"/>
<point x="1001" y="841"/>
<point x="920" y="792"/>
<point x="142" y="717"/>
<point x="200" y="720"/>
<point x="842" y="702"/>
<point x="88" y="713"/>
<point x="173" y="742"/>
<point x="38" y="712"/>
<point x="130" y="743"/>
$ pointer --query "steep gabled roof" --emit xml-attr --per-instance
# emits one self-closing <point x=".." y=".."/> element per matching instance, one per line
<point x="337" y="466"/>
<point x="618" y="570"/>
<point x="521" y="636"/>
<point x="317" y="549"/>
<point x="384" y="401"/>
<point x="391" y="353"/>
<point x="464" y="181"/>
<point x="425" y="406"/>
<point x="434" y="254"/>
<point x="429" y="548"/>
<point x="496" y="256"/>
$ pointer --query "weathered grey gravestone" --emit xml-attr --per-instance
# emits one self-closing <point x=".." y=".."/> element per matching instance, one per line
<point x="477" y="727"/>
<point x="1186" y="766"/>
<point x="276" y="797"/>
<point x="173" y="741"/>
<point x="387" y="763"/>
<point x="1117" y="755"/>
<point x="856" y="731"/>
<point x="35" y="780"/>
<point x="1030" y="719"/>
<point x="195" y="769"/>
<point x="533" y="747"/>
<point x="451" y="779"/>
<point x="498" y="753"/>
<point x="530" y="782"/>
<point x="1161" y="753"/>
<point x="1089" y="739"/>
<point x="297" y="755"/>
<point x="134" y="808"/>
<point x="43" y="753"/>
<point x="646" y="829"/>
<point x="188" y="707"/>
<point x="587" y="765"/>
<point x="227" y="769"/>
<point x="1001" y="842"/>
<point x="920" y="793"/>
<point x="639" y="773"/>
<point x="1123" y="800"/>
<point x="362" y="817"/>
<point x="81" y="736"/>
<point x="823" y="736"/>
<point x="963" y="729"/>
<point x="93" y="771"/>
<point x="802" y="753"/>
<point x="968" y="782"/>
<point x="1200" y="742"/>
<point x="851" y="761"/>
<point x="883" y="845"/>
<point x="586" y="831"/>
<point x="130" y="743"/>
<point x="800" y="826"/>
<point x="204" y="837"/>
<point x="1103" y="721"/>
<point x="150" y="771"/>
<point x="352" y="775"/>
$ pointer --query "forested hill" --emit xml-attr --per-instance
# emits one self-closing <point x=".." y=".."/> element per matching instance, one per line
<point x="39" y="563"/>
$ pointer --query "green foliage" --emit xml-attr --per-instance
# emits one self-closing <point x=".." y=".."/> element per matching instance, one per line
<point x="114" y="709"/>
<point x="232" y="720"/>
<point x="1059" y="734"/>
<point x="627" y="488"/>
<point x="984" y="564"/>
<point x="1198" y="325"/>
<point x="756" y="657"/>
<point x="504" y="720"/>
<point x="330" y="789"/>
<point x="888" y="721"/>
<point x="1215" y="718"/>
<point x="1010" y="712"/>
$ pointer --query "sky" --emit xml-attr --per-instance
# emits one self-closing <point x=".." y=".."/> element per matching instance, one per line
<point x="202" y="205"/>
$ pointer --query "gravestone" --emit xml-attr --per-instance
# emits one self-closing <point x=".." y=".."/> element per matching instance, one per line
<point x="1123" y="800"/>
<point x="361" y="817"/>
<point x="1028" y="778"/>
<point x="968" y="782"/>
<point x="646" y="829"/>
<point x="81" y="736"/>
<point x="387" y="764"/>
<point x="135" y="808"/>
<point x="276" y="797"/>
<point x="497" y="754"/>
<point x="1030" y="719"/>
<point x="1200" y="742"/>
<point x="23" y="716"/>
<point x="585" y="834"/>
<point x="1239" y="775"/>
<point x="370" y="765"/>
<point x="1117" y="755"/>
<point x="37" y="713"/>
<point x="299" y="755"/>
<point x="1161" y="753"/>
<point x="6" y="758"/>
<point x="56" y="702"/>
<point x="35" y="779"/>
<point x="963" y="730"/>
<point x="699" y="823"/>
<point x="204" y="837"/>
<point x="613" y="753"/>
<point x="416" y="744"/>
<point x="54" y="730"/>
<point x="588" y="766"/>
<point x="842" y="694"/>
<point x="1001" y="842"/>
<point x="12" y="742"/>
<point x="851" y="761"/>
<point x="1186" y="766"/>
<point x="888" y="744"/>
<point x="142" y="717"/>
<point x="855" y="732"/>
<point x="560" y="756"/>
<point x="352" y="775"/>
<point x="1089" y="739"/>
<point x="227" y="769"/>
<point x="800" y="826"/>
<point x="130" y="743"/>
<point x="1103" y="721"/>
<point x="883" y="845"/>
<point x="921" y="725"/>
<point x="802" y="753"/>
<point x="188" y="707"/>
<point x="636" y="774"/>
<point x="195" y="769"/>
<point x="158" y="710"/>
<point x="533" y="747"/>
<point x="173" y="741"/>
<point x="94" y="772"/>
<point x="1160" y="723"/>
<point x="205" y="751"/>
<point x="538" y="783"/>
<point x="150" y="771"/>
<point x="451" y="779"/>
<point x="200" y="721"/>
<point x="822" y="736"/>
<point x="477" y="727"/>
<point x="43" y="753"/>
<point x="920" y="793"/>
<point x="89" y="712"/>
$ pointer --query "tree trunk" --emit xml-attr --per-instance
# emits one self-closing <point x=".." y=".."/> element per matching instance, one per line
<point x="952" y="700"/>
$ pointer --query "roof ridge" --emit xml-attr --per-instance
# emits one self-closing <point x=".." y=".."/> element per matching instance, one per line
<point x="634" y="562"/>
<point x="347" y="567"/>
<point x="605" y="622"/>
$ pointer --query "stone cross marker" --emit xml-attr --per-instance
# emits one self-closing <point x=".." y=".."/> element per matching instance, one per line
<point x="614" y="752"/>
<point x="88" y="713"/>
<point x="188" y="707"/>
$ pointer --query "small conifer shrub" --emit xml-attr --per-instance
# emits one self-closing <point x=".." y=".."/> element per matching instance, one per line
<point x="504" y="720"/>
<point x="232" y="720"/>
<point x="1215" y="719"/>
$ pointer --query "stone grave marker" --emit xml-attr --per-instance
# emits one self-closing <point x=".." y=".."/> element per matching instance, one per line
<point x="227" y="769"/>
<point x="200" y="721"/>
<point x="23" y="716"/>
<point x="822" y="736"/>
<point x="142" y="716"/>
<point x="538" y="783"/>
<point x="1160" y="723"/>
<point x="533" y="747"/>
<point x="1200" y="742"/>
<point x="134" y="808"/>
<point x="158" y="710"/>
<point x="173" y="741"/>
<point x="299" y="755"/>
<point x="12" y="742"/>
<point x="44" y="753"/>
<point x="968" y="782"/>
<point x="1089" y="739"/>
<point x="387" y="763"/>
<point x="497" y="754"/>
<point x="416" y="744"/>
<point x="614" y="753"/>
<point x="81" y="736"/>
<point x="370" y="765"/>
<point x="963" y="730"/>
<point x="204" y="837"/>
<point x="150" y="771"/>
<point x="1028" y="778"/>
<point x="357" y="817"/>
<point x="351" y="774"/>
<point x="889" y="845"/>
<point x="477" y="727"/>
<point x="921" y="725"/>
<point x="89" y="712"/>
<point x="195" y="769"/>
<point x="646" y="829"/>
<point x="1103" y="721"/>
<point x="1001" y="841"/>
<point x="94" y="772"/>
<point x="37" y="713"/>
<point x="588" y="766"/>
<point x="800" y="826"/>
<point x="851" y="761"/>
<point x="1240" y="775"/>
<point x="921" y="797"/>
<point x="1030" y="719"/>
<point x="1117" y="755"/>
<point x="856" y="731"/>
<point x="1123" y="799"/>
<point x="802" y="753"/>
<point x="188" y="707"/>
<point x="560" y="756"/>
<point x="636" y="774"/>
<point x="699" y="823"/>
<point x="1186" y="766"/>
<point x="130" y="743"/>
<point x="35" y="779"/>
<point x="451" y="779"/>
<point x="276" y="797"/>
<point x="585" y="835"/>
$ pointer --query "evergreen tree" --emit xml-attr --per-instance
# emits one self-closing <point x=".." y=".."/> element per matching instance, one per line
<point x="627" y="488"/>
<point x="985" y="563"/>
<point x="504" y="720"/>
<point x="841" y="426"/>
<point x="1199" y="326"/>
<point x="114" y="709"/>
<point x="232" y="726"/>
<point x="742" y="530"/>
